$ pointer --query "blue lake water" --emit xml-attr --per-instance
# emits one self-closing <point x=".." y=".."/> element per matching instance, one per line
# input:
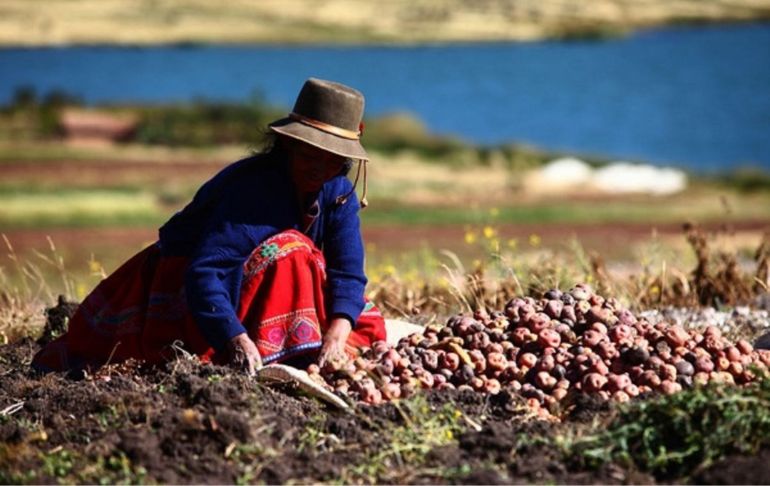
<point x="694" y="97"/>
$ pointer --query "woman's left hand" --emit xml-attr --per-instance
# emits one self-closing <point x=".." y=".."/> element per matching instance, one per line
<point x="333" y="349"/>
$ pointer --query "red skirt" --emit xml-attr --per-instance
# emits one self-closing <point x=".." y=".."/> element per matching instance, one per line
<point x="140" y="311"/>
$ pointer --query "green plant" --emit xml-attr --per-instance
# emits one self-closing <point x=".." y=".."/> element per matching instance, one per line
<point x="674" y="436"/>
<point x="407" y="445"/>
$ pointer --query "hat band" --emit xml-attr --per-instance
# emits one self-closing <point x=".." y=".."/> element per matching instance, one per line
<point x="325" y="127"/>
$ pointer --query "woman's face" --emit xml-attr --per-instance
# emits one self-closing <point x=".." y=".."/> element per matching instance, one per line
<point x="310" y="166"/>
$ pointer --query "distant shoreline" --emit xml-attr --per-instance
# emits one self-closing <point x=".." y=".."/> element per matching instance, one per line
<point x="348" y="22"/>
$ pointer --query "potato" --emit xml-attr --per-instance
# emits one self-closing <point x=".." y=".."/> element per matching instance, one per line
<point x="593" y="382"/>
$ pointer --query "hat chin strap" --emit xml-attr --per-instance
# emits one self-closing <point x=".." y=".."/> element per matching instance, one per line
<point x="344" y="198"/>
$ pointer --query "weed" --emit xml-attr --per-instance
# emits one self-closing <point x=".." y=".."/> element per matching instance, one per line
<point x="406" y="446"/>
<point x="677" y="435"/>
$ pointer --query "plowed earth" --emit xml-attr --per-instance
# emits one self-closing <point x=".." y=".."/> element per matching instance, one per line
<point x="192" y="423"/>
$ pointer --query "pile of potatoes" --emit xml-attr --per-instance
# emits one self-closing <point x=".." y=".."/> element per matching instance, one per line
<point x="546" y="349"/>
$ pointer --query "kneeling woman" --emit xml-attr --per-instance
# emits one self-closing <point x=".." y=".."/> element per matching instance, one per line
<point x="266" y="263"/>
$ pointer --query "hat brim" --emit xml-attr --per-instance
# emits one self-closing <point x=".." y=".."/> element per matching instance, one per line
<point x="318" y="138"/>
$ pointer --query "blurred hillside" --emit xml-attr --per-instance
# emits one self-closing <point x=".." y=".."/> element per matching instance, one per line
<point x="52" y="22"/>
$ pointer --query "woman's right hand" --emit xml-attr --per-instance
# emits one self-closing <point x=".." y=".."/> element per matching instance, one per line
<point x="244" y="354"/>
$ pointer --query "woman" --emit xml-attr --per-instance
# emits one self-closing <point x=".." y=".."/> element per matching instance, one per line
<point x="264" y="265"/>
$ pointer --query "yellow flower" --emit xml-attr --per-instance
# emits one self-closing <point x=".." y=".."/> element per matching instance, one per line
<point x="389" y="270"/>
<point x="449" y="435"/>
<point x="470" y="237"/>
<point x="494" y="212"/>
<point x="512" y="243"/>
<point x="534" y="240"/>
<point x="81" y="291"/>
<point x="489" y="232"/>
<point x="655" y="289"/>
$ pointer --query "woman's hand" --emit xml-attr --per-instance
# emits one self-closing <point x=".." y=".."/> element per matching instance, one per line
<point x="333" y="349"/>
<point x="244" y="354"/>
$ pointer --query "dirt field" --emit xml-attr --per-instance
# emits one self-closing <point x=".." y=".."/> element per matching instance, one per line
<point x="192" y="423"/>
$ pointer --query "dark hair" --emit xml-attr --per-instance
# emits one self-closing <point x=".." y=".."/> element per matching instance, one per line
<point x="273" y="151"/>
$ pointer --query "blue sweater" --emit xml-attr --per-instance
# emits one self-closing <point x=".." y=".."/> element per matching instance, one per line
<point x="231" y="214"/>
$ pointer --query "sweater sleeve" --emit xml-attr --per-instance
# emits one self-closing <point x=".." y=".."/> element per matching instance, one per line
<point x="212" y="284"/>
<point x="344" y="253"/>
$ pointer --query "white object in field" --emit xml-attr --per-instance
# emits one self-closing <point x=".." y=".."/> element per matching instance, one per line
<point x="567" y="171"/>
<point x="396" y="329"/>
<point x="280" y="373"/>
<point x="559" y="175"/>
<point x="624" y="178"/>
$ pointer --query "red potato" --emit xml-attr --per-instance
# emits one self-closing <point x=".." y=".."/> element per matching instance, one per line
<point x="494" y="348"/>
<point x="548" y="338"/>
<point x="372" y="396"/>
<point x="599" y="366"/>
<point x="744" y="346"/>
<point x="527" y="359"/>
<point x="667" y="372"/>
<point x="533" y="403"/>
<point x="563" y="384"/>
<point x="592" y="337"/>
<point x="593" y="382"/>
<point x="545" y="381"/>
<point x="618" y="382"/>
<point x="735" y="369"/>
<point x="580" y="293"/>
<point x="568" y="314"/>
<point x="425" y="379"/>
<point x="479" y="340"/>
<point x="676" y="336"/>
<point x="415" y="339"/>
<point x="701" y="378"/>
<point x="712" y="331"/>
<point x="620" y="397"/>
<point x="546" y="363"/>
<point x="684" y="368"/>
<point x="722" y="377"/>
<point x="650" y="378"/>
<point x="632" y="390"/>
<point x="607" y="350"/>
<point x="713" y="343"/>
<point x="438" y="379"/>
<point x="538" y="322"/>
<point x="450" y="361"/>
<point x="600" y="328"/>
<point x="496" y="361"/>
<point x="385" y="368"/>
<point x="393" y="355"/>
<point x="492" y="386"/>
<point x="554" y="308"/>
<point x="635" y="372"/>
<point x="559" y="393"/>
<point x="522" y="335"/>
<point x="732" y="353"/>
<point x="621" y="333"/>
<point x="669" y="387"/>
<point x="477" y="383"/>
<point x="391" y="391"/>
<point x="722" y="363"/>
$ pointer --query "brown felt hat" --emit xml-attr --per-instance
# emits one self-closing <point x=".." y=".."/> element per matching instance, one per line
<point x="326" y="115"/>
